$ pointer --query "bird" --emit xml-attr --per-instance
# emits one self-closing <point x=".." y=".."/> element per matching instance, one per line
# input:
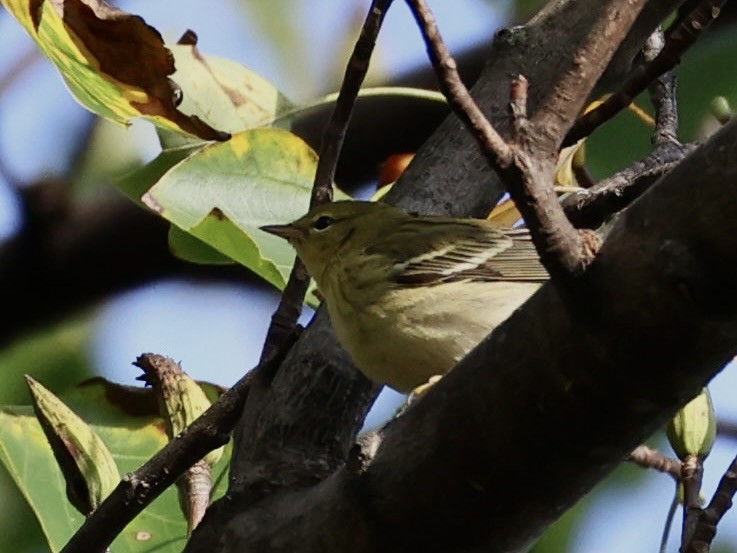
<point x="410" y="295"/>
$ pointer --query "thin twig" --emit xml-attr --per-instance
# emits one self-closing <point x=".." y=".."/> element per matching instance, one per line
<point x="591" y="207"/>
<point x="663" y="548"/>
<point x="679" y="39"/>
<point x="284" y="320"/>
<point x="705" y="528"/>
<point x="563" y="250"/>
<point x="662" y="95"/>
<point x="138" y="489"/>
<point x="355" y="73"/>
<point x="692" y="472"/>
<point x="649" y="458"/>
<point x="285" y="317"/>
<point x="493" y="146"/>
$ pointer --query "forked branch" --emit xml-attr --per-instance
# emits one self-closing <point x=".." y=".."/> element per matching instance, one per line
<point x="563" y="250"/>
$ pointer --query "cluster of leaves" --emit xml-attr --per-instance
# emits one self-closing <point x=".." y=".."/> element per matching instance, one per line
<point x="125" y="422"/>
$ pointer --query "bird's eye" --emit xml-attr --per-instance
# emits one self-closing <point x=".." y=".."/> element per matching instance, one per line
<point x="322" y="222"/>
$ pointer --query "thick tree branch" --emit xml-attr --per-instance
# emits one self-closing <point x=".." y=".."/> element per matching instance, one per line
<point x="301" y="428"/>
<point x="567" y="94"/>
<point x="580" y="392"/>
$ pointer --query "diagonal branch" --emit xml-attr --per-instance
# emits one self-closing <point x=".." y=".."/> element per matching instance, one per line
<point x="679" y="39"/>
<point x="492" y="145"/>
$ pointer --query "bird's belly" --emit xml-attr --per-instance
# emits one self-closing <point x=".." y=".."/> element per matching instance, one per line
<point x="405" y="343"/>
<point x="407" y="358"/>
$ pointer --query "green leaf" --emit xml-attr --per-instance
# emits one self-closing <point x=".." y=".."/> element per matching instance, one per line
<point x="222" y="193"/>
<point x="189" y="248"/>
<point x="137" y="183"/>
<point x="113" y="62"/>
<point x="126" y="419"/>
<point x="85" y="461"/>
<point x="369" y="102"/>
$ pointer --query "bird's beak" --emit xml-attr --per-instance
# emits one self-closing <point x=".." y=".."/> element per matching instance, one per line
<point x="288" y="232"/>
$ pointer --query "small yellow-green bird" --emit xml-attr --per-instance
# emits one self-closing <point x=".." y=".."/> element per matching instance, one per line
<point x="409" y="296"/>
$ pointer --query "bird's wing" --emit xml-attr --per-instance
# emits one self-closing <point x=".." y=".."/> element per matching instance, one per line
<point x="478" y="251"/>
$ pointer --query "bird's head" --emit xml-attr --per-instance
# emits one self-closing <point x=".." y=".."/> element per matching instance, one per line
<point x="327" y="229"/>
